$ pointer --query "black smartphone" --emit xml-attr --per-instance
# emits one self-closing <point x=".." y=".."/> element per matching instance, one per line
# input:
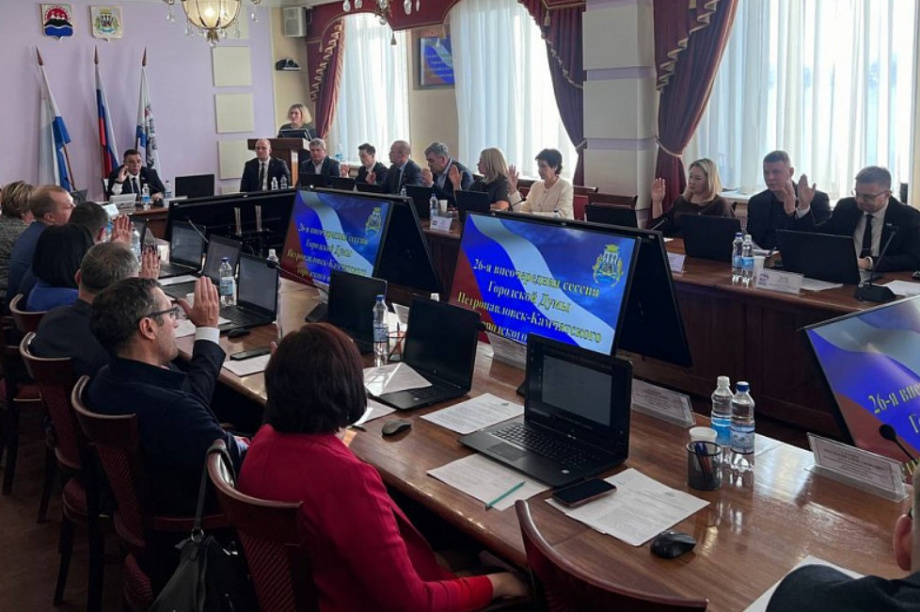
<point x="265" y="350"/>
<point x="581" y="493"/>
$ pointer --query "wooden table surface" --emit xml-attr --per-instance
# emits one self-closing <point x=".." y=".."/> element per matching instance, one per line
<point x="754" y="530"/>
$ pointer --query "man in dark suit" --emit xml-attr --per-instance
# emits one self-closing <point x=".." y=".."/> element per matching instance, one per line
<point x="135" y="321"/>
<point x="403" y="171"/>
<point x="438" y="173"/>
<point x="258" y="173"/>
<point x="65" y="332"/>
<point x="369" y="164"/>
<point x="319" y="162"/>
<point x="132" y="175"/>
<point x="872" y="217"/>
<point x="774" y="208"/>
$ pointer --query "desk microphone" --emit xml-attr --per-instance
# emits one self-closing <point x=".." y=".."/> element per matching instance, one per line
<point x="888" y="432"/>
<point x="867" y="292"/>
<point x="195" y="227"/>
<point x="659" y="224"/>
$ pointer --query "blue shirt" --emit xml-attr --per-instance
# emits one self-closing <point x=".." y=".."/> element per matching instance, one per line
<point x="21" y="257"/>
<point x="44" y="297"/>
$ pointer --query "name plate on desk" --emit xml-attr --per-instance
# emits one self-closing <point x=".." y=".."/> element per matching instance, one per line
<point x="508" y="351"/>
<point x="676" y="260"/>
<point x="441" y="224"/>
<point x="858" y="468"/>
<point x="776" y="280"/>
<point x="662" y="403"/>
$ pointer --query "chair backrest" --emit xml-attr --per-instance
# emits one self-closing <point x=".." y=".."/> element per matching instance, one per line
<point x="272" y="539"/>
<point x="117" y="444"/>
<point x="610" y="198"/>
<point x="559" y="586"/>
<point x="25" y="321"/>
<point x="584" y="190"/>
<point x="56" y="379"/>
<point x="579" y="204"/>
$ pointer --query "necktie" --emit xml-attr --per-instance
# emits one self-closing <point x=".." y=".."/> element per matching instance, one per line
<point x="867" y="238"/>
<point x="262" y="176"/>
<point x="134" y="185"/>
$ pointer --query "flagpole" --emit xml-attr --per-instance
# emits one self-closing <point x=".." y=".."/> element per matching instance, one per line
<point x="103" y="152"/>
<point x="73" y="184"/>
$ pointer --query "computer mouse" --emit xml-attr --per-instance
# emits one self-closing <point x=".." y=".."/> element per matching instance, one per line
<point x="237" y="333"/>
<point x="672" y="544"/>
<point x="391" y="428"/>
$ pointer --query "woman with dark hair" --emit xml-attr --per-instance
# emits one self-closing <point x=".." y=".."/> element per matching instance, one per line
<point x="58" y="255"/>
<point x="550" y="197"/>
<point x="365" y="553"/>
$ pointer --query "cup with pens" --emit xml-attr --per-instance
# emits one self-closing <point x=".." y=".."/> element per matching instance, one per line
<point x="703" y="465"/>
<point x="396" y="343"/>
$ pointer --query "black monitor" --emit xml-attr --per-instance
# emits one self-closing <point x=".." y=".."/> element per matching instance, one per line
<point x="406" y="258"/>
<point x="351" y="301"/>
<point x="195" y="186"/>
<point x="313" y="180"/>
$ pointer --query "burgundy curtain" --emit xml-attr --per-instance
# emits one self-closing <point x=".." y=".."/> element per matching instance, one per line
<point x="562" y="32"/>
<point x="689" y="43"/>
<point x="326" y="75"/>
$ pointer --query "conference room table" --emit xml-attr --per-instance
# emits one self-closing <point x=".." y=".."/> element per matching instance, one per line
<point x="754" y="530"/>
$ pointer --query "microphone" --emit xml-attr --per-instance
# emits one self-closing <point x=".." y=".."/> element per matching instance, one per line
<point x="661" y="222"/>
<point x="867" y="292"/>
<point x="888" y="432"/>
<point x="195" y="227"/>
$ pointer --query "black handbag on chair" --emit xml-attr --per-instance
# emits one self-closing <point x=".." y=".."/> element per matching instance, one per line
<point x="210" y="577"/>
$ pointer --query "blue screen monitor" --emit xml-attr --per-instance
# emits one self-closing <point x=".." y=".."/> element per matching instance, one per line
<point x="563" y="280"/>
<point x="871" y="364"/>
<point x="332" y="230"/>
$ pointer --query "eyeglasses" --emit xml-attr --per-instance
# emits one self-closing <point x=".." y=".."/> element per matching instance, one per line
<point x="868" y="197"/>
<point x="171" y="312"/>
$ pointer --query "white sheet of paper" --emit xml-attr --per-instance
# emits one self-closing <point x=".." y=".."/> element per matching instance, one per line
<point x="246" y="367"/>
<point x="904" y="288"/>
<point x="760" y="604"/>
<point x="813" y="284"/>
<point x="175" y="280"/>
<point x="402" y="313"/>
<point x="662" y="403"/>
<point x="676" y="261"/>
<point x="392" y="378"/>
<point x="187" y="328"/>
<point x="475" y="414"/>
<point x="640" y="509"/>
<point x="486" y="480"/>
<point x="375" y="410"/>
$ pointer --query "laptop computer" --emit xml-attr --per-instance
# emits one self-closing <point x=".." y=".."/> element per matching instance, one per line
<point x="621" y="216"/>
<point x="125" y="202"/>
<point x="351" y="300"/>
<point x="475" y="201"/>
<point x="825" y="257"/>
<point x="342" y="183"/>
<point x="421" y="199"/>
<point x="709" y="237"/>
<point x="195" y="186"/>
<point x="441" y="346"/>
<point x="576" y="415"/>
<point x="313" y="180"/>
<point x="256" y="297"/>
<point x="369" y="188"/>
<point x="186" y="248"/>
<point x="218" y="248"/>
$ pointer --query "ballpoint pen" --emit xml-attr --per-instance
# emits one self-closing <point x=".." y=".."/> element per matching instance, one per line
<point x="505" y="494"/>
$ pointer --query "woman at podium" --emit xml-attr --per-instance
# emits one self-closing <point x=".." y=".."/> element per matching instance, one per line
<point x="300" y="126"/>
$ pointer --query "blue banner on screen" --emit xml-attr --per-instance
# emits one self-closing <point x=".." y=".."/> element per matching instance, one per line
<point x="525" y="276"/>
<point x="334" y="231"/>
<point x="872" y="364"/>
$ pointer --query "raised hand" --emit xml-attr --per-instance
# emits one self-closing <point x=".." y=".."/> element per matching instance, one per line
<point x="454" y="175"/>
<point x="806" y="193"/>
<point x="659" y="189"/>
<point x="150" y="264"/>
<point x="427" y="177"/>
<point x="206" y="311"/>
<point x="513" y="178"/>
<point x="371" y="178"/>
<point x="344" y="170"/>
<point x="122" y="174"/>
<point x="122" y="230"/>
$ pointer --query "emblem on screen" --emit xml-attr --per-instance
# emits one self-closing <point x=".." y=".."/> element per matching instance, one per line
<point x="608" y="269"/>
<point x="372" y="226"/>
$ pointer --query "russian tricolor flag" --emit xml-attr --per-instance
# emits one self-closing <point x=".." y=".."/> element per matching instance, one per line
<point x="106" y="133"/>
<point x="53" y="137"/>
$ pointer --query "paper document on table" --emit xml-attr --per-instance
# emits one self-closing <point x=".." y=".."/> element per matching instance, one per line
<point x="760" y="604"/>
<point x="392" y="378"/>
<point x="486" y="480"/>
<point x="175" y="280"/>
<point x="475" y="414"/>
<point x="813" y="284"/>
<point x="187" y="328"/>
<point x="375" y="410"/>
<point x="640" y="509"/>
<point x="662" y="403"/>
<point x="903" y="288"/>
<point x="245" y="367"/>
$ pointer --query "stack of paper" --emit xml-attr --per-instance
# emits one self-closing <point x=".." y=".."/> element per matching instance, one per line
<point x="475" y="414"/>
<point x="393" y="378"/>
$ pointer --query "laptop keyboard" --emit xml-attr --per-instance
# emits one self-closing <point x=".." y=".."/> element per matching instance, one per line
<point x="237" y="316"/>
<point x="558" y="449"/>
<point x="435" y="391"/>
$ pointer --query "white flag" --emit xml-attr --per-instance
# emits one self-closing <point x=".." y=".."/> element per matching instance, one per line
<point x="146" y="136"/>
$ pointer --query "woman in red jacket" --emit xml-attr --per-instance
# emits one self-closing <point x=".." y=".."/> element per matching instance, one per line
<point x="365" y="552"/>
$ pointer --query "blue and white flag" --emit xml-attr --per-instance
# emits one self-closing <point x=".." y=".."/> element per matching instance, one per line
<point x="106" y="133"/>
<point x="146" y="136"/>
<point x="52" y="164"/>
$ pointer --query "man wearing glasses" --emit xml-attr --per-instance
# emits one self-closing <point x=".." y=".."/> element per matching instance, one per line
<point x="134" y="320"/>
<point x="871" y="216"/>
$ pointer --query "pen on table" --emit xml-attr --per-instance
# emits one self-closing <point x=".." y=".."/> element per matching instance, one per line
<point x="505" y="494"/>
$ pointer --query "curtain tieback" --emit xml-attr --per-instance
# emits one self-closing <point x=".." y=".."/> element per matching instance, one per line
<point x="667" y="150"/>
<point x="581" y="145"/>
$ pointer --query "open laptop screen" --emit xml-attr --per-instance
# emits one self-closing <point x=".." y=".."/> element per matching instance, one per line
<point x="871" y="363"/>
<point x="568" y="281"/>
<point x="351" y="300"/>
<point x="186" y="245"/>
<point x="218" y="248"/>
<point x="442" y="341"/>
<point x="258" y="283"/>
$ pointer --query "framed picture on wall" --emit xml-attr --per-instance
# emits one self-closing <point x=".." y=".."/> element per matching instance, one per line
<point x="434" y="61"/>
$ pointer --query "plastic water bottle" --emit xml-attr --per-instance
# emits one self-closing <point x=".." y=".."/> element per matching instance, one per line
<point x="742" y="428"/>
<point x="433" y="206"/>
<point x="736" y="258"/>
<point x="273" y="260"/>
<point x="402" y="191"/>
<point x="145" y="197"/>
<point x="339" y="156"/>
<point x="227" y="283"/>
<point x="274" y="186"/>
<point x="721" y="416"/>
<point x="284" y="184"/>
<point x="747" y="261"/>
<point x="135" y="242"/>
<point x="168" y="194"/>
<point x="381" y="331"/>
